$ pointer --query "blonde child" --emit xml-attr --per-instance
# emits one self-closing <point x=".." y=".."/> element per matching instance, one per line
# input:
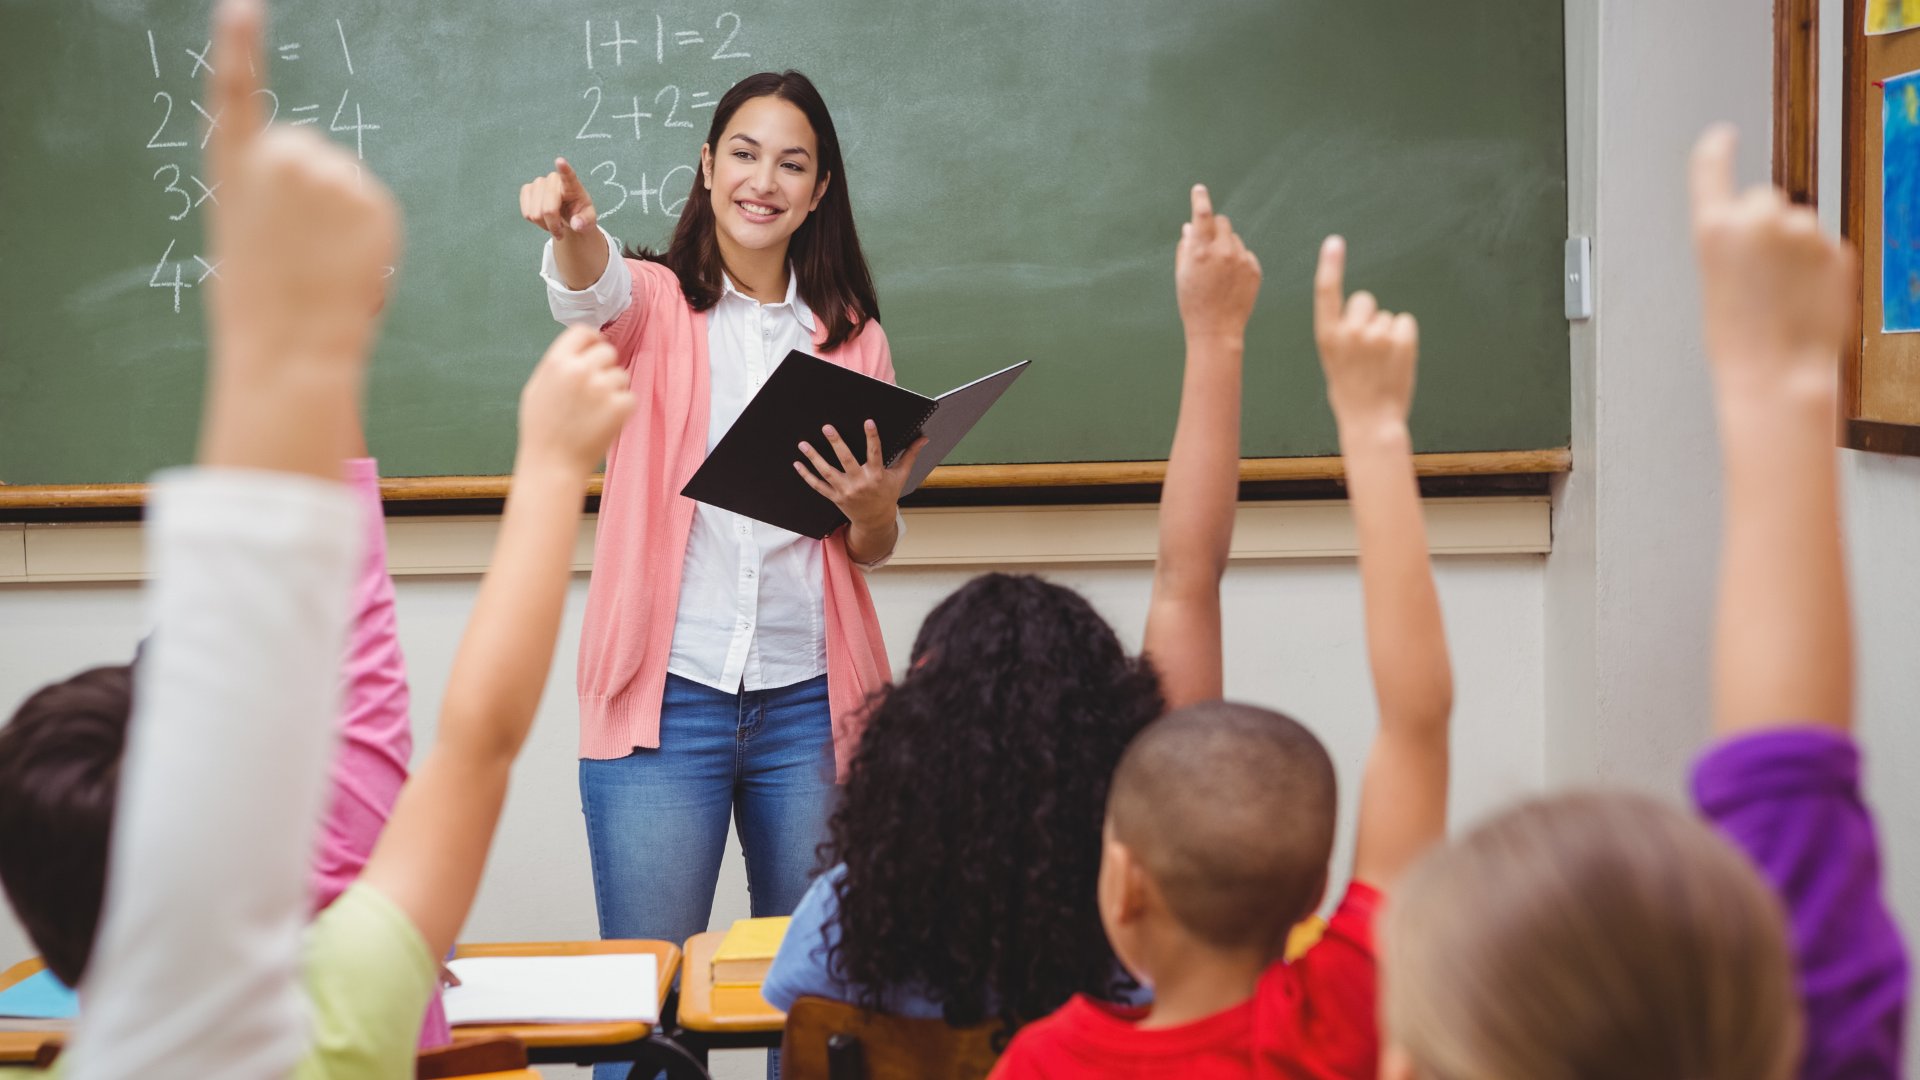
<point x="1611" y="936"/>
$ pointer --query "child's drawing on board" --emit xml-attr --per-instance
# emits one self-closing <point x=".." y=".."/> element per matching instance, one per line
<point x="1899" y="214"/>
<point x="1891" y="16"/>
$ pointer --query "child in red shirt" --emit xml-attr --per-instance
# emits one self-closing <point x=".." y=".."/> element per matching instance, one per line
<point x="1220" y="818"/>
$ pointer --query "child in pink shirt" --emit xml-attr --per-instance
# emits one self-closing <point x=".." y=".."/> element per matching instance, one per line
<point x="376" y="732"/>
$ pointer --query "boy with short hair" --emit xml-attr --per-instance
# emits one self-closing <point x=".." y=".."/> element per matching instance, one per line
<point x="1220" y="818"/>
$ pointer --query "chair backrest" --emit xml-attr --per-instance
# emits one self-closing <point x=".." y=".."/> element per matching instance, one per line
<point x="832" y="1040"/>
<point x="472" y="1057"/>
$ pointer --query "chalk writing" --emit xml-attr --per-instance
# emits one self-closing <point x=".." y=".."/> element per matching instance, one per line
<point x="180" y="191"/>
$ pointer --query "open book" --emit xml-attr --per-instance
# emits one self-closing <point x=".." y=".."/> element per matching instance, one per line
<point x="750" y="470"/>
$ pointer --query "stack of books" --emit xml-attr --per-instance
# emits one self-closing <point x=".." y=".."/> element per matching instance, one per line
<point x="745" y="954"/>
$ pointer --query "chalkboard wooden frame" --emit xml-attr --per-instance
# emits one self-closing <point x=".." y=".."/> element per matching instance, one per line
<point x="947" y="477"/>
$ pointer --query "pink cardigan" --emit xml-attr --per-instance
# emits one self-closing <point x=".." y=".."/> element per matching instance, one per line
<point x="633" y="597"/>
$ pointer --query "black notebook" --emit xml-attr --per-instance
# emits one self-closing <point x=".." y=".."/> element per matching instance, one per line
<point x="750" y="470"/>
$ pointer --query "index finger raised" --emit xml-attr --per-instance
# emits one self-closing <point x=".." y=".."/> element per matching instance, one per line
<point x="234" y="81"/>
<point x="1202" y="212"/>
<point x="1710" y="172"/>
<point x="1329" y="282"/>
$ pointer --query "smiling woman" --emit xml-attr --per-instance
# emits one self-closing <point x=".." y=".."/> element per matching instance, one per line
<point x="723" y="662"/>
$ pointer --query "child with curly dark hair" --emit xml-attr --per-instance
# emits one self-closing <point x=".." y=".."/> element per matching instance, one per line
<point x="966" y="846"/>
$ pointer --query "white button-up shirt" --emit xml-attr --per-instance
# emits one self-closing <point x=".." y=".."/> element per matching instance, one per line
<point x="751" y="614"/>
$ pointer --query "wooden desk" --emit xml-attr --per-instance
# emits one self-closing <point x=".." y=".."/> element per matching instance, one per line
<point x="538" y="1037"/>
<point x="736" y="1017"/>
<point x="546" y="1043"/>
<point x="19" y="1047"/>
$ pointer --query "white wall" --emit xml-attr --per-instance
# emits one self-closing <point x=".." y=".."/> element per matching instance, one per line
<point x="1630" y="581"/>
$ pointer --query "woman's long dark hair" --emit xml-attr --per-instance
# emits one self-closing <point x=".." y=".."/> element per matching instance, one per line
<point x="970" y="822"/>
<point x="824" y="250"/>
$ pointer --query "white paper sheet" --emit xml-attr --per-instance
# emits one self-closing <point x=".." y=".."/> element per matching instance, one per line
<point x="553" y="989"/>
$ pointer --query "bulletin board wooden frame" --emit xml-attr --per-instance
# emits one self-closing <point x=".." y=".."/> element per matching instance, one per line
<point x="1880" y="372"/>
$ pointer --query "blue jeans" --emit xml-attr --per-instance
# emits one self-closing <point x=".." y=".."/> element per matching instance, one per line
<point x="657" y="819"/>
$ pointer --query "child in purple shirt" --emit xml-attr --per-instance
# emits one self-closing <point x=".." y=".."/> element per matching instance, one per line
<point x="1790" y="798"/>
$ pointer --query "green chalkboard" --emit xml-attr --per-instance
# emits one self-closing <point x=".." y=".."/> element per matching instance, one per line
<point x="1019" y="170"/>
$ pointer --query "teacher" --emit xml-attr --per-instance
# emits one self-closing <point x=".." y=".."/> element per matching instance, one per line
<point x="724" y="662"/>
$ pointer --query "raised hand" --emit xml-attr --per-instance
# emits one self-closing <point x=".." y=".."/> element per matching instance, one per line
<point x="1214" y="275"/>
<point x="573" y="404"/>
<point x="1216" y="280"/>
<point x="1776" y="292"/>
<point x="301" y="238"/>
<point x="867" y="492"/>
<point x="1367" y="354"/>
<point x="558" y="202"/>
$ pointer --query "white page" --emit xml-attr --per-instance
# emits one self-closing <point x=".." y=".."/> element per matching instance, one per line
<point x="553" y="989"/>
<point x="954" y="414"/>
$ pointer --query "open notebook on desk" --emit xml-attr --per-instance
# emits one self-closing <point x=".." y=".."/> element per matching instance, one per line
<point x="596" y="988"/>
<point x="750" y="470"/>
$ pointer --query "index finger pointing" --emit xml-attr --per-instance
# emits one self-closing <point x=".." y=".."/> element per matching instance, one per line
<point x="1202" y="212"/>
<point x="1329" y="281"/>
<point x="234" y="81"/>
<point x="1710" y="173"/>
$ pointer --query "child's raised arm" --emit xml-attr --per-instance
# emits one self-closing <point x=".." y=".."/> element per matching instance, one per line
<point x="252" y="555"/>
<point x="1369" y="356"/>
<point x="430" y="858"/>
<point x="1775" y="292"/>
<point x="1217" y="280"/>
<point x="1783" y="783"/>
